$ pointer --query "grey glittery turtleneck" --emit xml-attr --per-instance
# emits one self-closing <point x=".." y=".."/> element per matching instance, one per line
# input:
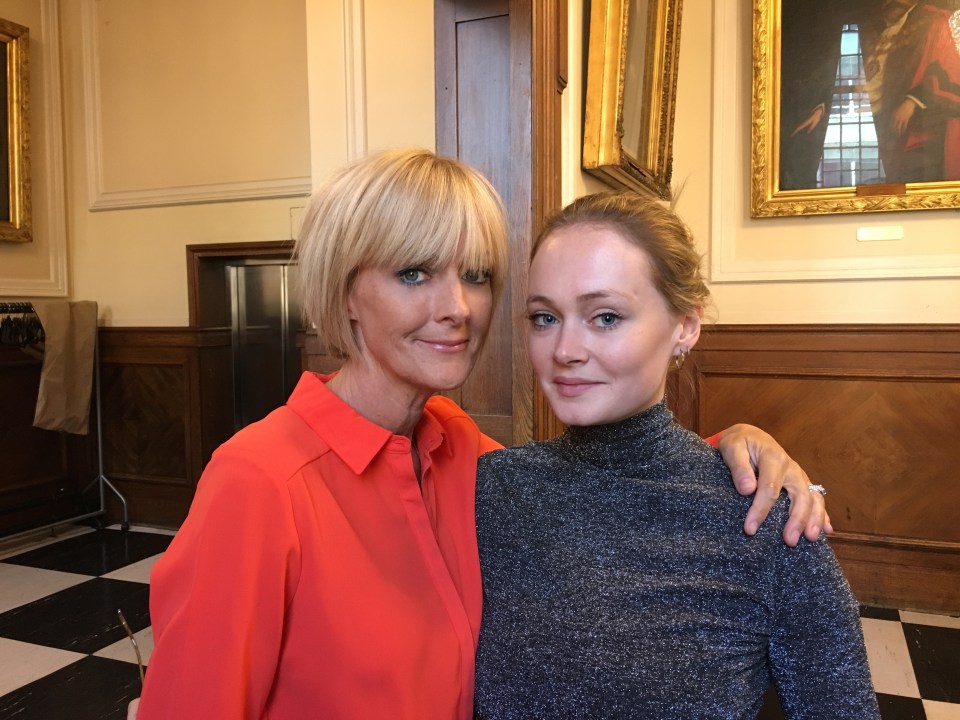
<point x="618" y="583"/>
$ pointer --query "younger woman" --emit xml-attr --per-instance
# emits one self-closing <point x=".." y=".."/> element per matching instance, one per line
<point x="617" y="578"/>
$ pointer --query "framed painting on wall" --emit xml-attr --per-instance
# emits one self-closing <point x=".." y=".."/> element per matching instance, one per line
<point x="15" y="214"/>
<point x="856" y="106"/>
<point x="631" y="93"/>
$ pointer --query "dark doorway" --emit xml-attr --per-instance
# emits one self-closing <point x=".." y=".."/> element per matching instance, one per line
<point x="250" y="288"/>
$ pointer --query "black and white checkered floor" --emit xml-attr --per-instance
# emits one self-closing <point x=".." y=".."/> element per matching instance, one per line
<point x="63" y="653"/>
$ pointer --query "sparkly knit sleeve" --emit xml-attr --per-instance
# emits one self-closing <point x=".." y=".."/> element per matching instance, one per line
<point x="817" y="655"/>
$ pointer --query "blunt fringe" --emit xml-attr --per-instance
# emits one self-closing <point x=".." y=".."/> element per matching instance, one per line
<point x="399" y="208"/>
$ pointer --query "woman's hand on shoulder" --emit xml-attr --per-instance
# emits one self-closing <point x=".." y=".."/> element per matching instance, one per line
<point x="760" y="465"/>
<point x="132" y="709"/>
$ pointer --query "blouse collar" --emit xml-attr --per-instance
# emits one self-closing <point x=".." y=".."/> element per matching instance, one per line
<point x="355" y="439"/>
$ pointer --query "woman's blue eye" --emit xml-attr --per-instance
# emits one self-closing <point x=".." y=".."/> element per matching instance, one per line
<point x="543" y="319"/>
<point x="607" y="319"/>
<point x="477" y="277"/>
<point x="412" y="276"/>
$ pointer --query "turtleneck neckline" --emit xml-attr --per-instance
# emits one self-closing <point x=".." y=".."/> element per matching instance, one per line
<point x="628" y="447"/>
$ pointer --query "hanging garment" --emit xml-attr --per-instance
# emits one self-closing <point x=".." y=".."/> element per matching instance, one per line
<point x="66" y="379"/>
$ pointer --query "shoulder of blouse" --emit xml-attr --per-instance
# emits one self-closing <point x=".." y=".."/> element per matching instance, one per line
<point x="276" y="446"/>
<point x="444" y="409"/>
<point x="453" y="418"/>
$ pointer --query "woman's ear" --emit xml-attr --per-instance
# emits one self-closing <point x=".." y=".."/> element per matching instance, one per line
<point x="689" y="330"/>
<point x="351" y="308"/>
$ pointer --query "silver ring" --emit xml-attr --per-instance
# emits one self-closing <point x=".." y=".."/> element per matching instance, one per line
<point x="818" y="488"/>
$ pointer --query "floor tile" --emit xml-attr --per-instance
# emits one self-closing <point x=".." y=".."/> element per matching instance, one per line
<point x="941" y="710"/>
<point x="82" y="618"/>
<point x="889" y="658"/>
<point x="935" y="652"/>
<point x="893" y="707"/>
<point x="137" y="572"/>
<point x="93" y="688"/>
<point x="20" y="585"/>
<point x="878" y="613"/>
<point x="915" y="618"/>
<point x="22" y="663"/>
<point x="95" y="553"/>
<point x="123" y="650"/>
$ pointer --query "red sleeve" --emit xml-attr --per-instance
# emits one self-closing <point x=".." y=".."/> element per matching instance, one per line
<point x="217" y="598"/>
<point x="488" y="444"/>
<point x="714" y="439"/>
<point x="937" y="79"/>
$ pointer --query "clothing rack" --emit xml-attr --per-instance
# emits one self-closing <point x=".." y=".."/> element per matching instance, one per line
<point x="7" y="308"/>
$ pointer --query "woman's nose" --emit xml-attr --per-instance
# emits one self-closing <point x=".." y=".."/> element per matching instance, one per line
<point x="453" y="302"/>
<point x="570" y="348"/>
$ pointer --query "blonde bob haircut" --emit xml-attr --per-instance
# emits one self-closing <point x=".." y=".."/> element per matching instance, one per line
<point x="650" y="226"/>
<point x="397" y="209"/>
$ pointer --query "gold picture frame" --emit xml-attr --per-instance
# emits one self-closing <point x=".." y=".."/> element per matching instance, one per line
<point x="15" y="188"/>
<point x="784" y="120"/>
<point x="631" y="93"/>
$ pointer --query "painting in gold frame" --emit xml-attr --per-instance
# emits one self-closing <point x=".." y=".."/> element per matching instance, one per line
<point x="853" y="109"/>
<point x="15" y="189"/>
<point x="631" y="93"/>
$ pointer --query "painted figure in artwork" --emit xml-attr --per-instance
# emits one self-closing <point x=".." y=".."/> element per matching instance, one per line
<point x="886" y="80"/>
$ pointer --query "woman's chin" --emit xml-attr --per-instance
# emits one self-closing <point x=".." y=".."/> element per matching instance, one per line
<point x="440" y="384"/>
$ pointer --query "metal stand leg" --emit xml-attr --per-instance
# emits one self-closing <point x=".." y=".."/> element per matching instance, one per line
<point x="101" y="478"/>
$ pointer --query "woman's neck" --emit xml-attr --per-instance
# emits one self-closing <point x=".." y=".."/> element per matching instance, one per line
<point x="379" y="399"/>
<point x="625" y="447"/>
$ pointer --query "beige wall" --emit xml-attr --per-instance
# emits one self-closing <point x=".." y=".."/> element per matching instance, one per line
<point x="167" y="104"/>
<point x="192" y="123"/>
<point x="794" y="244"/>
<point x="371" y="78"/>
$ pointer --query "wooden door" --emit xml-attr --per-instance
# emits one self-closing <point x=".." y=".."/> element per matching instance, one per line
<point x="498" y="109"/>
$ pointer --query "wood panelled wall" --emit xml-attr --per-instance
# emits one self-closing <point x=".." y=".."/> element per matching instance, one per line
<point x="36" y="484"/>
<point x="871" y="412"/>
<point x="167" y="405"/>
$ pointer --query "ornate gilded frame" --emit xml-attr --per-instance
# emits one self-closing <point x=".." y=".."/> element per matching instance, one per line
<point x="766" y="197"/>
<point x="15" y="190"/>
<point x="646" y="164"/>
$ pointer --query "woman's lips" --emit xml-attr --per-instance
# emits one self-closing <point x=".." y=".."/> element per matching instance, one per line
<point x="569" y="387"/>
<point x="456" y="345"/>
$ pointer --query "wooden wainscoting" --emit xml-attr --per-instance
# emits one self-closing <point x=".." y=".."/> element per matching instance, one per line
<point x="167" y="404"/>
<point x="36" y="486"/>
<point x="873" y="413"/>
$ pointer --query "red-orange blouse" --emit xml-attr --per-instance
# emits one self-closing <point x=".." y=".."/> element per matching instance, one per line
<point x="312" y="577"/>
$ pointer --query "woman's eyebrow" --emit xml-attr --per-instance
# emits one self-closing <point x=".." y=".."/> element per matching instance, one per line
<point x="584" y="298"/>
